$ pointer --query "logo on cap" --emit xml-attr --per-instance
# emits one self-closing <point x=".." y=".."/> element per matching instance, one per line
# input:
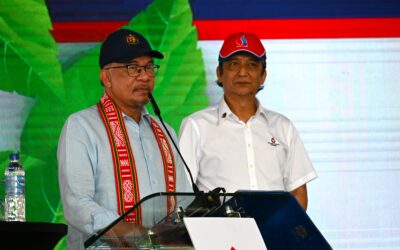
<point x="241" y="42"/>
<point x="131" y="39"/>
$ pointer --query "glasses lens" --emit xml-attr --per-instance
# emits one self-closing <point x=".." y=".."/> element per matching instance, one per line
<point x="135" y="70"/>
<point x="152" y="70"/>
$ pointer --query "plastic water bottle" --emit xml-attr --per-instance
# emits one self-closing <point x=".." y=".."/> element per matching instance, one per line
<point x="14" y="175"/>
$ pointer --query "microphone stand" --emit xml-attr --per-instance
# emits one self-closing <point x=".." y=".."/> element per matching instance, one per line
<point x="157" y="111"/>
<point x="207" y="201"/>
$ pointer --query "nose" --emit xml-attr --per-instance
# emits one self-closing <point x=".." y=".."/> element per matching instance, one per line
<point x="243" y="70"/>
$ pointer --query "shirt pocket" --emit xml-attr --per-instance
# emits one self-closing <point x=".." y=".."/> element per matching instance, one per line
<point x="276" y="157"/>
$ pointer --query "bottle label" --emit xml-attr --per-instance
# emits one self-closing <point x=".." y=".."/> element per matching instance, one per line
<point x="15" y="185"/>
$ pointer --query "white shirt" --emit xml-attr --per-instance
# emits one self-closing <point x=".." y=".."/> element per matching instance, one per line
<point x="266" y="153"/>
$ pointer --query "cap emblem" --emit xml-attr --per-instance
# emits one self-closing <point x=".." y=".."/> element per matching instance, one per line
<point x="242" y="42"/>
<point x="132" y="39"/>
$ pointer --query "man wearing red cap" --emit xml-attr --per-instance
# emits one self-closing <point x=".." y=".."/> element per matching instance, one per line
<point x="238" y="144"/>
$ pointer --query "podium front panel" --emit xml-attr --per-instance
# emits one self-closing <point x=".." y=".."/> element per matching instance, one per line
<point x="283" y="223"/>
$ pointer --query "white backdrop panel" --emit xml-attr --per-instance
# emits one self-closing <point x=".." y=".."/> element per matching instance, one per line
<point x="343" y="95"/>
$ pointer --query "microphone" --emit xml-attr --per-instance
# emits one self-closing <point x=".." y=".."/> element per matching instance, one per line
<point x="157" y="111"/>
<point x="202" y="205"/>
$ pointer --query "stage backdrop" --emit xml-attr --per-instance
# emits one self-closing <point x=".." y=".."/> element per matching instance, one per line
<point x="333" y="68"/>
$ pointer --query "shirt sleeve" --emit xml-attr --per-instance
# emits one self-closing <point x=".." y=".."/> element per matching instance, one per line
<point x="76" y="175"/>
<point x="300" y="169"/>
<point x="188" y="143"/>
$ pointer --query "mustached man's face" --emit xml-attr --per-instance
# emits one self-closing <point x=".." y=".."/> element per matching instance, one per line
<point x="129" y="92"/>
<point x="241" y="75"/>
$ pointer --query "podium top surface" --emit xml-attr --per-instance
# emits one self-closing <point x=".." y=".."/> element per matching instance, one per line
<point x="12" y="226"/>
<point x="32" y="235"/>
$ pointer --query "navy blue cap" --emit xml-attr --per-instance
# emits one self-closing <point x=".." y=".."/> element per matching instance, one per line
<point x="124" y="45"/>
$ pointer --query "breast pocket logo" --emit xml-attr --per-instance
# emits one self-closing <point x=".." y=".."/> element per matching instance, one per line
<point x="273" y="142"/>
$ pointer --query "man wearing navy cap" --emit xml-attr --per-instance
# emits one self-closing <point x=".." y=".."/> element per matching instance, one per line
<point x="114" y="153"/>
<point x="238" y="144"/>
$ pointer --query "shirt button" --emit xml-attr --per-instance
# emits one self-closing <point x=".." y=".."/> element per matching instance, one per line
<point x="251" y="165"/>
<point x="249" y="145"/>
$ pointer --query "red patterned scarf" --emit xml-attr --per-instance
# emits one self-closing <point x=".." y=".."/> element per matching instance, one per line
<point x="126" y="180"/>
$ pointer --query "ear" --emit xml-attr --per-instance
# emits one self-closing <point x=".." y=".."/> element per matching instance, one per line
<point x="218" y="71"/>
<point x="105" y="78"/>
<point x="264" y="77"/>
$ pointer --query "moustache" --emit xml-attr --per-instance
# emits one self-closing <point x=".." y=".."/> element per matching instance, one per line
<point x="141" y="89"/>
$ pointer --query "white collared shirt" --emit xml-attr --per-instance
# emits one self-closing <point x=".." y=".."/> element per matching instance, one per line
<point x="266" y="153"/>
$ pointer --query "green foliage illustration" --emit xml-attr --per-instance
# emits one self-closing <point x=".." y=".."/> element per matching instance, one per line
<point x="29" y="66"/>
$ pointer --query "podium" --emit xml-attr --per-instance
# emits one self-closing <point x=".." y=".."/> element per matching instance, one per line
<point x="282" y="222"/>
<point x="31" y="235"/>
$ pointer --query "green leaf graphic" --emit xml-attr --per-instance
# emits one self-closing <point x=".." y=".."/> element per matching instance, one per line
<point x="182" y="72"/>
<point x="29" y="63"/>
<point x="29" y="66"/>
<point x="180" y="83"/>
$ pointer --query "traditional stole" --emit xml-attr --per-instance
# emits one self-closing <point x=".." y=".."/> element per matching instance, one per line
<point x="126" y="180"/>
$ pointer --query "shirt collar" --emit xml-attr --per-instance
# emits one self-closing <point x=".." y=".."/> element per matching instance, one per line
<point x="261" y="111"/>
<point x="144" y="114"/>
<point x="224" y="112"/>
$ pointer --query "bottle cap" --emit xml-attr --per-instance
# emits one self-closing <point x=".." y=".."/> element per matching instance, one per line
<point x="14" y="157"/>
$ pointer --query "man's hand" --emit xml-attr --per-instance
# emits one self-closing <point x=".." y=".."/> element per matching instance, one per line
<point x="123" y="233"/>
<point x="300" y="194"/>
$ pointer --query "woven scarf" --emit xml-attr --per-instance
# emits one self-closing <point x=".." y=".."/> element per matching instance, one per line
<point x="126" y="180"/>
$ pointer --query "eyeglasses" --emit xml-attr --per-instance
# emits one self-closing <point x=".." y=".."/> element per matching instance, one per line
<point x="134" y="70"/>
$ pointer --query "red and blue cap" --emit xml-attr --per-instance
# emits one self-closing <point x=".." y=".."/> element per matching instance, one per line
<point x="242" y="43"/>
